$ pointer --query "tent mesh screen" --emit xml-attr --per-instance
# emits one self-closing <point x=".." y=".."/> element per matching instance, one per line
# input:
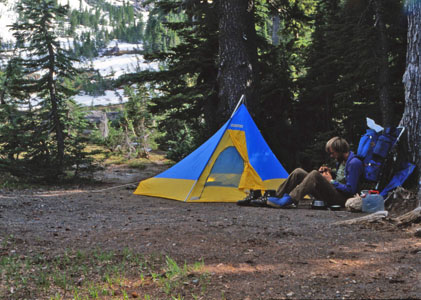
<point x="227" y="169"/>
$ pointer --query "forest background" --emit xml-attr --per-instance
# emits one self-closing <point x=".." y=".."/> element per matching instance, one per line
<point x="310" y="70"/>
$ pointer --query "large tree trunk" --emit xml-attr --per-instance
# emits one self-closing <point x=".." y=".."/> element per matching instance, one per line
<point x="411" y="118"/>
<point x="384" y="73"/>
<point x="237" y="54"/>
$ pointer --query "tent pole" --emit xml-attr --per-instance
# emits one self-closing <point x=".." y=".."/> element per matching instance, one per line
<point x="188" y="195"/>
<point x="400" y="134"/>
<point x="238" y="104"/>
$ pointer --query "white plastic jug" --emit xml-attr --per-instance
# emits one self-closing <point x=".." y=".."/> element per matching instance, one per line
<point x="372" y="202"/>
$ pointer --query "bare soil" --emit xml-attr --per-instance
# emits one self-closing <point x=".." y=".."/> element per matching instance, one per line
<point x="249" y="253"/>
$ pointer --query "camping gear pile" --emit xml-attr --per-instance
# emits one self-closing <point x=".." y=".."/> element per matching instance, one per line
<point x="383" y="168"/>
<point x="378" y="149"/>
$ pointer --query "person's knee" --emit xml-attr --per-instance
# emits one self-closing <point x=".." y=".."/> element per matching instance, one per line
<point x="314" y="176"/>
<point x="299" y="171"/>
<point x="314" y="173"/>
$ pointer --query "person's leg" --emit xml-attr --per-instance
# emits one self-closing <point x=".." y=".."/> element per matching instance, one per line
<point x="294" y="179"/>
<point x="316" y="185"/>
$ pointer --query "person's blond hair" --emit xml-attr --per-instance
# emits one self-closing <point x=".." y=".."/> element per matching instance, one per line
<point x="337" y="144"/>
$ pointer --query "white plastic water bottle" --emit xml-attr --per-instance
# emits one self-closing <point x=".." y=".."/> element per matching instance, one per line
<point x="373" y="202"/>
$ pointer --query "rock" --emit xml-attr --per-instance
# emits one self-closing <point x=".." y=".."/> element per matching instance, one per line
<point x="417" y="233"/>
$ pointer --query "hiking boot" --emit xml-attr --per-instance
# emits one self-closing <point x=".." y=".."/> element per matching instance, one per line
<point x="270" y="193"/>
<point x="245" y="202"/>
<point x="259" y="202"/>
<point x="254" y="194"/>
<point x="284" y="202"/>
<point x="262" y="201"/>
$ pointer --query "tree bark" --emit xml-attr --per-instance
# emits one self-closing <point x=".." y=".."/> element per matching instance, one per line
<point x="54" y="110"/>
<point x="384" y="73"/>
<point x="237" y="54"/>
<point x="411" y="118"/>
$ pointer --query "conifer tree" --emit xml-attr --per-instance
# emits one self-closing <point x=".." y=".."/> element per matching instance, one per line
<point x="280" y="65"/>
<point x="137" y="120"/>
<point x="343" y="81"/>
<point x="318" y="86"/>
<point x="8" y="86"/>
<point x="187" y="86"/>
<point x="188" y="82"/>
<point x="46" y="67"/>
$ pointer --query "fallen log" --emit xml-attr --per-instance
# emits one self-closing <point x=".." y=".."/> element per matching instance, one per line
<point x="409" y="218"/>
<point x="371" y="218"/>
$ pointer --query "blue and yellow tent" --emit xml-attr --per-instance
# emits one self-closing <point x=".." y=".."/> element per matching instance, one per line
<point x="234" y="160"/>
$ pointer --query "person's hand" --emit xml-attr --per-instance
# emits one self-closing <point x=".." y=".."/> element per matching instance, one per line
<point x="326" y="172"/>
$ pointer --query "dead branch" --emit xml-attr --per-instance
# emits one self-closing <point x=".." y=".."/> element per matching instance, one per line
<point x="372" y="218"/>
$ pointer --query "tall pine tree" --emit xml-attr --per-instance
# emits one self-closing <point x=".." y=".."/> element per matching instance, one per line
<point x="347" y="74"/>
<point x="47" y="69"/>
<point x="187" y="87"/>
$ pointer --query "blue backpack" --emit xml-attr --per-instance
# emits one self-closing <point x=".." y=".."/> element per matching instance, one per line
<point x="378" y="151"/>
<point x="373" y="150"/>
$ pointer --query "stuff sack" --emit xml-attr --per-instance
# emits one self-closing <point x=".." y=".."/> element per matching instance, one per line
<point x="366" y="145"/>
<point x="354" y="204"/>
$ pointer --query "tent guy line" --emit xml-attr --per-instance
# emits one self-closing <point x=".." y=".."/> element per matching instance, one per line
<point x="59" y="193"/>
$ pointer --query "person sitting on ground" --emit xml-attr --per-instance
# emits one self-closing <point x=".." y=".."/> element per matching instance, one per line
<point x="320" y="184"/>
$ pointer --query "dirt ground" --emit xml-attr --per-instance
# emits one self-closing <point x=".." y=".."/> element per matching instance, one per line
<point x="250" y="253"/>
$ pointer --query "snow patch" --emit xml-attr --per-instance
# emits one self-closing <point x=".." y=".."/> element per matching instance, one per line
<point x="110" y="97"/>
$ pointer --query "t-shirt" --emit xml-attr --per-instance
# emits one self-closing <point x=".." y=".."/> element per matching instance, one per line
<point x="340" y="173"/>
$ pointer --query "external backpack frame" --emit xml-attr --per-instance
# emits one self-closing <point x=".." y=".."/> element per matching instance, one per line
<point x="383" y="166"/>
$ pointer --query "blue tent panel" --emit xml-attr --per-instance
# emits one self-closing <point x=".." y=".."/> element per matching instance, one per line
<point x="192" y="165"/>
<point x="260" y="155"/>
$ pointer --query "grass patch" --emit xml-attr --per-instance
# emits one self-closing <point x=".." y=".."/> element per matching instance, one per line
<point x="98" y="275"/>
<point x="102" y="157"/>
<point x="106" y="157"/>
<point x="8" y="181"/>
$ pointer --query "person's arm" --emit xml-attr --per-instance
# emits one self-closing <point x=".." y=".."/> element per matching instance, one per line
<point x="354" y="172"/>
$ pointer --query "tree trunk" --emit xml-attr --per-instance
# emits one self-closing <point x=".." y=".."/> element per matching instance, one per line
<point x="411" y="118"/>
<point x="54" y="111"/>
<point x="237" y="54"/>
<point x="275" y="28"/>
<point x="384" y="74"/>
<point x="3" y="94"/>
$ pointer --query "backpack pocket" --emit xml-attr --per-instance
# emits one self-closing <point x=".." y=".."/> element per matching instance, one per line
<point x="372" y="170"/>
<point x="383" y="145"/>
